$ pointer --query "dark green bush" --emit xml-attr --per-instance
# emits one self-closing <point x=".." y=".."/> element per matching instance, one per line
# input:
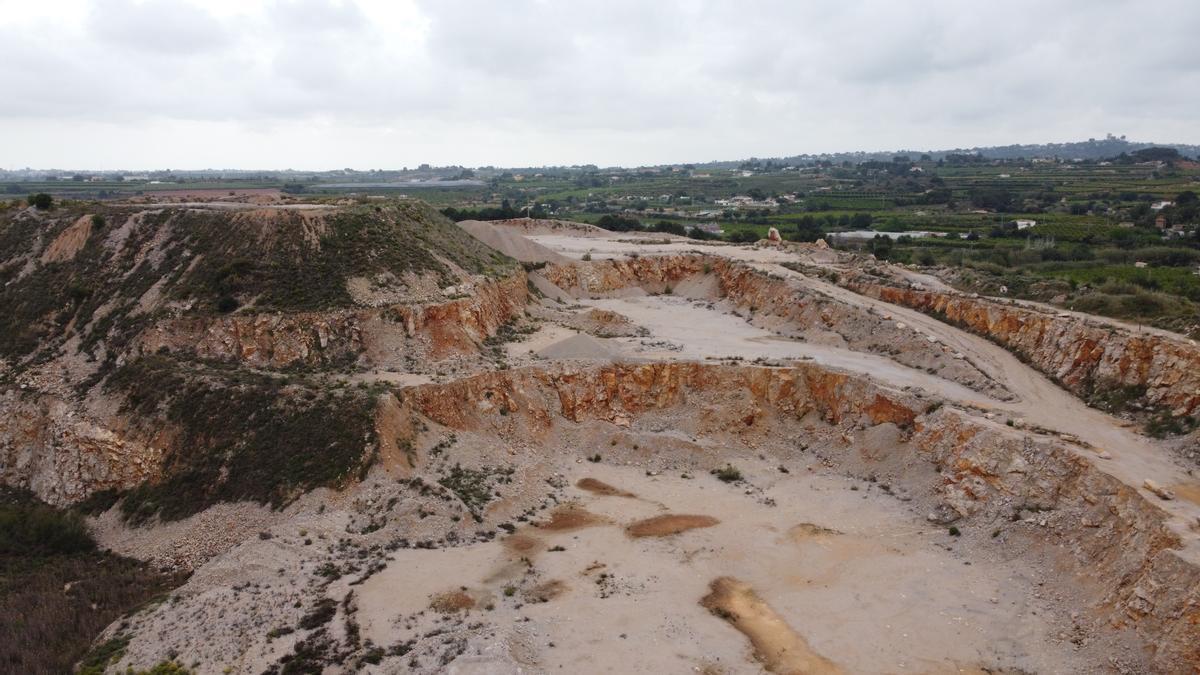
<point x="38" y="529"/>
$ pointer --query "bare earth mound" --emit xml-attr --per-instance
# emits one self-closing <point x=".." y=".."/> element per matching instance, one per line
<point x="451" y="601"/>
<point x="511" y="242"/>
<point x="570" y="518"/>
<point x="776" y="645"/>
<point x="601" y="488"/>
<point x="579" y="347"/>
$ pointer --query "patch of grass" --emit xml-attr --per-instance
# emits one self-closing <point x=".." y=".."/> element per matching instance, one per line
<point x="1114" y="397"/>
<point x="395" y="238"/>
<point x="103" y="654"/>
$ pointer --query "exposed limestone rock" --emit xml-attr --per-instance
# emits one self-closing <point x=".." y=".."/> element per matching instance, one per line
<point x="1116" y="536"/>
<point x="616" y="392"/>
<point x="432" y="331"/>
<point x="1079" y="355"/>
<point x="49" y="448"/>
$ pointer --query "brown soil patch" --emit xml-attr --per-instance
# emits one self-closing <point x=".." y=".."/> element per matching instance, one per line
<point x="776" y="645"/>
<point x="597" y="487"/>
<point x="451" y="601"/>
<point x="522" y="543"/>
<point x="545" y="592"/>
<point x="663" y="526"/>
<point x="570" y="518"/>
<point x="1188" y="492"/>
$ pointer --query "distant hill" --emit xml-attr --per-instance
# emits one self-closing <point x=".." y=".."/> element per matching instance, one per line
<point x="1091" y="149"/>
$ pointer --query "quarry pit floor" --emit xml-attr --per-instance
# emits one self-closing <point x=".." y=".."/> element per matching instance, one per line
<point x="849" y="577"/>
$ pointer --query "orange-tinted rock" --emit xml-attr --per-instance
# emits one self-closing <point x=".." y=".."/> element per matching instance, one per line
<point x="1081" y="356"/>
<point x="433" y="331"/>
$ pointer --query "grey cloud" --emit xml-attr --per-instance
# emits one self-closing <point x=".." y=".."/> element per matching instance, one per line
<point x="157" y="26"/>
<point x="593" y="80"/>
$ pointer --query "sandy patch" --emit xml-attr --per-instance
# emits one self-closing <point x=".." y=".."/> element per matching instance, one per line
<point x="667" y="525"/>
<point x="776" y="645"/>
<point x="69" y="241"/>
<point x="1189" y="492"/>
<point x="884" y="597"/>
<point x="523" y="544"/>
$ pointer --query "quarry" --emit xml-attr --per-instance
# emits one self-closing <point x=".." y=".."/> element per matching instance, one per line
<point x="366" y="438"/>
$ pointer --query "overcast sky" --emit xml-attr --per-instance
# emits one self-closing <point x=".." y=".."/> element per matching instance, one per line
<point x="316" y="84"/>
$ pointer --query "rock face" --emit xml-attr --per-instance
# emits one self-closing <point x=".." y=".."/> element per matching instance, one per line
<point x="1116" y="541"/>
<point x="90" y="293"/>
<point x="774" y="303"/>
<point x="430" y="331"/>
<point x="618" y="392"/>
<point x="1081" y="356"/>
<point x="63" y="456"/>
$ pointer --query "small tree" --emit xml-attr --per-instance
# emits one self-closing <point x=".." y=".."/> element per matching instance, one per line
<point x="41" y="201"/>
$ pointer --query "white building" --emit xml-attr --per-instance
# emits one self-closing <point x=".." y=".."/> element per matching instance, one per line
<point x="1025" y="224"/>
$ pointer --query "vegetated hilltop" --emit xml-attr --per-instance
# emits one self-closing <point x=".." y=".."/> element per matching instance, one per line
<point x="100" y="274"/>
<point x="181" y="356"/>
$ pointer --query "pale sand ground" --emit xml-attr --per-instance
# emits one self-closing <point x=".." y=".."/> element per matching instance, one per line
<point x="703" y="333"/>
<point x="866" y="584"/>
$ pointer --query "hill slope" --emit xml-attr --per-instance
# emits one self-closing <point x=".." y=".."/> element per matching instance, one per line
<point x="99" y="273"/>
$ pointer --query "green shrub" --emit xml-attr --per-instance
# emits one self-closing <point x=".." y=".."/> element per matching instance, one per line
<point x="58" y="593"/>
<point x="241" y="436"/>
<point x="727" y="474"/>
<point x="37" y="529"/>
